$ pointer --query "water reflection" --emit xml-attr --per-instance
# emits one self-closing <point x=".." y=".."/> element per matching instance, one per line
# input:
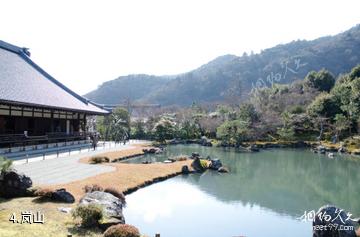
<point x="286" y="181"/>
<point x="270" y="188"/>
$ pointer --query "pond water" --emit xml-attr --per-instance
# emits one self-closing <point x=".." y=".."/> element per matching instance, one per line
<point x="265" y="194"/>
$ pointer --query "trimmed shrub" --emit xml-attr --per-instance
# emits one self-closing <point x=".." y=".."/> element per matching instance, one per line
<point x="99" y="159"/>
<point x="90" y="214"/>
<point x="92" y="188"/>
<point x="203" y="163"/>
<point x="44" y="192"/>
<point x="116" y="193"/>
<point x="5" y="164"/>
<point x="122" y="230"/>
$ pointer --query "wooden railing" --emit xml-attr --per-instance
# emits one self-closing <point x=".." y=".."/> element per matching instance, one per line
<point x="21" y="140"/>
<point x="63" y="151"/>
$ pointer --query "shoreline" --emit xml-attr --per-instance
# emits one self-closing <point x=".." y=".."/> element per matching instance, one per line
<point x="150" y="182"/>
<point x="248" y="146"/>
<point x="116" y="157"/>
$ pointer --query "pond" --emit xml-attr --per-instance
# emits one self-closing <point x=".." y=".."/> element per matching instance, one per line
<point x="265" y="194"/>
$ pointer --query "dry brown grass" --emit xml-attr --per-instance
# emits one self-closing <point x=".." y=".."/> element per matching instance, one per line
<point x="115" y="155"/>
<point x="126" y="176"/>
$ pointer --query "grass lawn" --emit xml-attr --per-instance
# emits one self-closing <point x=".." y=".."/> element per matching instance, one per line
<point x="118" y="155"/>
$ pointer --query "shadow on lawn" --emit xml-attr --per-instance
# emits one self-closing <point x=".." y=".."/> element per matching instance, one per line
<point x="42" y="200"/>
<point x="4" y="200"/>
<point x="80" y="231"/>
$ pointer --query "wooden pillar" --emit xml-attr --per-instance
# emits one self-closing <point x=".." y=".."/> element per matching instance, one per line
<point x="52" y="121"/>
<point x="2" y="124"/>
<point x="78" y="123"/>
<point x="85" y="123"/>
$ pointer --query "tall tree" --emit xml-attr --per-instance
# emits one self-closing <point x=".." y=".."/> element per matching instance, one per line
<point x="139" y="129"/>
<point x="341" y="123"/>
<point x="234" y="131"/>
<point x="164" y="129"/>
<point x="286" y="132"/>
<point x="322" y="80"/>
<point x="324" y="105"/>
<point x="355" y="73"/>
<point x="120" y="124"/>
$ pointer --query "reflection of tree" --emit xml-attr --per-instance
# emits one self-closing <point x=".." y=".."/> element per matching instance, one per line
<point x="286" y="181"/>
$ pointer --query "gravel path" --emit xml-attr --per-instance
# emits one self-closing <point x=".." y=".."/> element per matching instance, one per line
<point x="65" y="169"/>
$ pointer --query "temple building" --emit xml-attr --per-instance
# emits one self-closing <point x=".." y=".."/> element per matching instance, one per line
<point x="34" y="107"/>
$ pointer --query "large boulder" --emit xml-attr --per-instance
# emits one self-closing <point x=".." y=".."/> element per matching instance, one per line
<point x="14" y="184"/>
<point x="197" y="166"/>
<point x="321" y="149"/>
<point x="223" y="169"/>
<point x="175" y="141"/>
<point x="342" y="149"/>
<point x="195" y="155"/>
<point x="224" y="144"/>
<point x="153" y="150"/>
<point x="253" y="148"/>
<point x="204" y="141"/>
<point x="185" y="169"/>
<point x="215" y="164"/>
<point x="61" y="195"/>
<point x="111" y="205"/>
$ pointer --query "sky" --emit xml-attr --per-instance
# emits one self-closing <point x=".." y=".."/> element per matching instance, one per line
<point x="83" y="43"/>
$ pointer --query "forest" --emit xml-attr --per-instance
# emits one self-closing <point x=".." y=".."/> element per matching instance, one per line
<point x="318" y="108"/>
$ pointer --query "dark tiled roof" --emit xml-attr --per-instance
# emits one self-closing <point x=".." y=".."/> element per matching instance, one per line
<point x="24" y="82"/>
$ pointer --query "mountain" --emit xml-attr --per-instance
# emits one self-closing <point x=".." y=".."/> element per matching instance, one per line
<point x="231" y="78"/>
<point x="132" y="87"/>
